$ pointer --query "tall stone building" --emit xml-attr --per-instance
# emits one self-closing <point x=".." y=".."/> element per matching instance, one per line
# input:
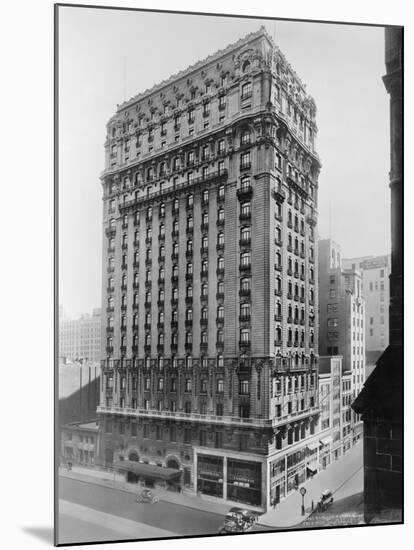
<point x="209" y="269"/>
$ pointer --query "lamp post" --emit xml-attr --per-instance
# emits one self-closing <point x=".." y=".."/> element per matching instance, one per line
<point x="303" y="493"/>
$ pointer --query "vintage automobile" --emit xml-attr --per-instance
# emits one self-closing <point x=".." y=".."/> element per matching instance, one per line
<point x="146" y="495"/>
<point x="325" y="500"/>
<point x="238" y="520"/>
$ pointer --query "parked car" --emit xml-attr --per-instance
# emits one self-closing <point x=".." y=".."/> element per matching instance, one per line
<point x="146" y="495"/>
<point x="238" y="520"/>
<point x="325" y="500"/>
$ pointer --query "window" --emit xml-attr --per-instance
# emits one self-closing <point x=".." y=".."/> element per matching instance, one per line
<point x="245" y="160"/>
<point x="245" y="138"/>
<point x="245" y="335"/>
<point x="245" y="259"/>
<point x="221" y="146"/>
<point x="244" y="387"/>
<point x="245" y="209"/>
<point x="246" y="90"/>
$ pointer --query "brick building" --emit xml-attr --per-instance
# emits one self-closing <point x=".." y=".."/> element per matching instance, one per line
<point x="209" y="269"/>
<point x="81" y="338"/>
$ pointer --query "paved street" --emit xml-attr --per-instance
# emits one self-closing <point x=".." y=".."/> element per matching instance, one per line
<point x="91" y="511"/>
<point x="176" y="520"/>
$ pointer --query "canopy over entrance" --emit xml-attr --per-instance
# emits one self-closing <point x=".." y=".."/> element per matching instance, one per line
<point x="148" y="470"/>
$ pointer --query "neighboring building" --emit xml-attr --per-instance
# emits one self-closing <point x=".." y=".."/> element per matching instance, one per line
<point x="375" y="272"/>
<point x="80" y="338"/>
<point x="336" y="421"/>
<point x="78" y="392"/>
<point x="210" y="329"/>
<point x="79" y="443"/>
<point x="341" y="312"/>
<point x="380" y="403"/>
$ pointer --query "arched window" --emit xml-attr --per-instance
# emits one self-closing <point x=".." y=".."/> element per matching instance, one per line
<point x="220" y="312"/>
<point x="245" y="137"/>
<point x="220" y="263"/>
<point x="220" y="238"/>
<point x="189" y="315"/>
<point x="204" y="313"/>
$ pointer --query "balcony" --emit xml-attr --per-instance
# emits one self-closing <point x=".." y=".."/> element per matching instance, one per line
<point x="278" y="194"/>
<point x="123" y="350"/>
<point x="245" y="166"/>
<point x="278" y="242"/>
<point x="290" y="319"/>
<point x="278" y="292"/>
<point x="136" y="244"/>
<point x="204" y="297"/>
<point x="135" y="327"/>
<point x="174" y="324"/>
<point x="204" y="250"/>
<point x="289" y="271"/>
<point x="135" y="286"/>
<point x="204" y="346"/>
<point x="148" y="283"/>
<point x="302" y="299"/>
<point x="124" y="266"/>
<point x="296" y="297"/>
<point x="278" y="318"/>
<point x="123" y="307"/>
<point x="219" y="346"/>
<point x="244" y="318"/>
<point x="175" y="234"/>
<point x="203" y="322"/>
<point x="244" y="344"/>
<point x="290" y="344"/>
<point x="174" y="279"/>
<point x="278" y="343"/>
<point x="136" y="264"/>
<point x="161" y="259"/>
<point x="244" y="192"/>
<point x="160" y="348"/>
<point x="174" y="302"/>
<point x="311" y="219"/>
<point x="134" y="350"/>
<point x="219" y="247"/>
<point x="110" y="231"/>
<point x="109" y="309"/>
<point x="123" y="328"/>
<point x="245" y="216"/>
<point x="278" y="267"/>
<point x="136" y="221"/>
<point x="220" y="296"/>
<point x="289" y="224"/>
<point x="110" y="288"/>
<point x="219" y="320"/>
<point x="245" y="241"/>
<point x="174" y="256"/>
<point x="109" y="349"/>
<point x="148" y="240"/>
<point x="204" y="227"/>
<point x="189" y="230"/>
<point x="204" y="273"/>
<point x="111" y="249"/>
<point x="109" y="330"/>
<point x="147" y="348"/>
<point x="188" y="276"/>
<point x="289" y="296"/>
<point x="174" y="347"/>
<point x="188" y="346"/>
<point x="244" y="292"/>
<point x="161" y="281"/>
<point x="111" y="269"/>
<point x="289" y="248"/>
<point x="245" y="268"/>
<point x="220" y="271"/>
<point x="147" y="304"/>
<point x="148" y="262"/>
<point x="147" y="326"/>
<point x="188" y="323"/>
<point x="161" y="237"/>
<point x="220" y="222"/>
<point x="302" y="254"/>
<point x="188" y="300"/>
<point x="135" y="306"/>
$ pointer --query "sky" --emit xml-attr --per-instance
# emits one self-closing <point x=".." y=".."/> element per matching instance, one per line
<point x="108" y="56"/>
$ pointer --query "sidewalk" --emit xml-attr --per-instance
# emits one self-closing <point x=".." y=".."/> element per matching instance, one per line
<point x="107" y="479"/>
<point x="343" y="477"/>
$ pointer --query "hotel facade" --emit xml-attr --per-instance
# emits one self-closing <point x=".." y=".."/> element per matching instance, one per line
<point x="210" y="302"/>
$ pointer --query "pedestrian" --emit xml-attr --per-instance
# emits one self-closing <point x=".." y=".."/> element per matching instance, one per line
<point x="274" y="503"/>
<point x="312" y="505"/>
